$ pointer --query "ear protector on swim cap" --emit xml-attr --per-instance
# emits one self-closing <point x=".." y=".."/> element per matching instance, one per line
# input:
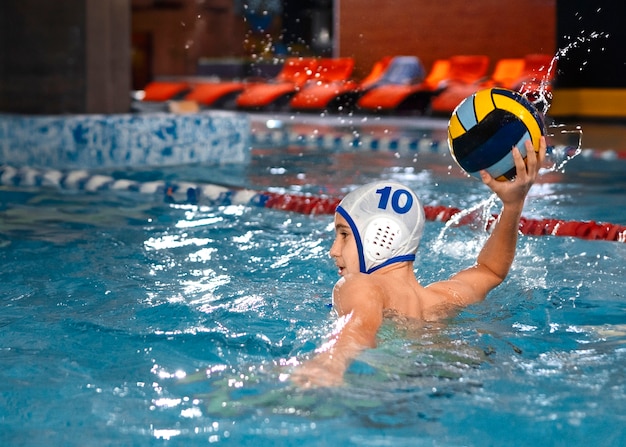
<point x="387" y="220"/>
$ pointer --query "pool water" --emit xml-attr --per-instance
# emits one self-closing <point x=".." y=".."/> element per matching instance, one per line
<point x="126" y="320"/>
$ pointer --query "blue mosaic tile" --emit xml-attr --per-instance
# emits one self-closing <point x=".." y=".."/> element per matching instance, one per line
<point x="91" y="141"/>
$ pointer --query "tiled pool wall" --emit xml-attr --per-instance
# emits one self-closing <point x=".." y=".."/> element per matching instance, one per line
<point x="125" y="140"/>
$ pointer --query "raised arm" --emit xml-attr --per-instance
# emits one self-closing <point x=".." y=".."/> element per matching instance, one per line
<point x="496" y="257"/>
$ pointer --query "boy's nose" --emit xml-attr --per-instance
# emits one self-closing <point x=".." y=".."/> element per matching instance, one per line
<point x="334" y="251"/>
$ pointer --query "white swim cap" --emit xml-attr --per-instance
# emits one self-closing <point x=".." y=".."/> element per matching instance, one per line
<point x="387" y="220"/>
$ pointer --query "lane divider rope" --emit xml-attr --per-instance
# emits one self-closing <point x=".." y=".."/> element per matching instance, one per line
<point x="219" y="195"/>
<point x="339" y="140"/>
<point x="342" y="140"/>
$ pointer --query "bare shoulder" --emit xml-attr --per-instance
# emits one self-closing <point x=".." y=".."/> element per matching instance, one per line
<point x="357" y="291"/>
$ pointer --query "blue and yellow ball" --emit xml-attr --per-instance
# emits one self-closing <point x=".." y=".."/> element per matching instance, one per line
<point x="485" y="126"/>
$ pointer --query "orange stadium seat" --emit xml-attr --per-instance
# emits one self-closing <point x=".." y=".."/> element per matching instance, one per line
<point x="319" y="96"/>
<point x="330" y="80"/>
<point x="460" y="69"/>
<point x="333" y="70"/>
<point x="295" y="73"/>
<point x="377" y="72"/>
<point x="343" y="94"/>
<point x="529" y="75"/>
<point x="506" y="74"/>
<point x="157" y="91"/>
<point x="468" y="69"/>
<point x="157" y="95"/>
<point x="390" y="97"/>
<point x="438" y="74"/>
<point x="215" y="94"/>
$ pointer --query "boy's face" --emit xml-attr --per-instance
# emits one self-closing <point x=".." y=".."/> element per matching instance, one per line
<point x="344" y="251"/>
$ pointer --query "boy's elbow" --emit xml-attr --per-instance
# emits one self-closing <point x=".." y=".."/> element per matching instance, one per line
<point x="490" y="280"/>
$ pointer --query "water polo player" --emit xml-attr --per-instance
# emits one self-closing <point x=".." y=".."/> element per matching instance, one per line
<point x="377" y="231"/>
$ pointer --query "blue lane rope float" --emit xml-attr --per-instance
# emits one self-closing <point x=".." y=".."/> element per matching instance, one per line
<point x="343" y="140"/>
<point x="219" y="195"/>
<point x="83" y="180"/>
<point x="408" y="144"/>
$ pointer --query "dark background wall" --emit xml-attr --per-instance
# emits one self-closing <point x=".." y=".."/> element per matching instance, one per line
<point x="42" y="49"/>
<point x="594" y="36"/>
<point x="69" y="56"/>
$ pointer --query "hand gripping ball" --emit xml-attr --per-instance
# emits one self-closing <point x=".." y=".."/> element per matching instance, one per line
<point x="485" y="126"/>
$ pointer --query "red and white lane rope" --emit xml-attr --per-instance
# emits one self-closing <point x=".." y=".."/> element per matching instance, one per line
<point x="210" y="194"/>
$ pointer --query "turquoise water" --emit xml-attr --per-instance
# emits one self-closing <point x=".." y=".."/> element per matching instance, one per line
<point x="126" y="320"/>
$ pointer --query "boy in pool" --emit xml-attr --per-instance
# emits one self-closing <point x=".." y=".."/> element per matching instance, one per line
<point x="377" y="231"/>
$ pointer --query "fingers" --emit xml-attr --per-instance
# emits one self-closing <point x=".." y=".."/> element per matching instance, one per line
<point x="534" y="160"/>
<point x="521" y="165"/>
<point x="542" y="150"/>
<point x="485" y="176"/>
<point x="526" y="169"/>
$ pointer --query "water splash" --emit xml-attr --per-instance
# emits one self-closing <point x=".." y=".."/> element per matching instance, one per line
<point x="564" y="143"/>
<point x="539" y="92"/>
<point x="479" y="216"/>
<point x="541" y="95"/>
